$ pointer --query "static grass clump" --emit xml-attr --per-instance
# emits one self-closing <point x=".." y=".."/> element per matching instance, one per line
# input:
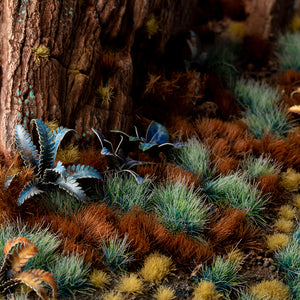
<point x="156" y="267"/>
<point x="164" y="293"/>
<point x="206" y="290"/>
<point x="277" y="241"/>
<point x="130" y="284"/>
<point x="180" y="208"/>
<point x="236" y="191"/>
<point x="288" y="51"/>
<point x="193" y="156"/>
<point x="125" y="193"/>
<point x="290" y="180"/>
<point x="287" y="212"/>
<point x="273" y="289"/>
<point x="71" y="275"/>
<point x="224" y="273"/>
<point x="255" y="167"/>
<point x="263" y="114"/>
<point x="100" y="279"/>
<point x="288" y="259"/>
<point x="116" y="253"/>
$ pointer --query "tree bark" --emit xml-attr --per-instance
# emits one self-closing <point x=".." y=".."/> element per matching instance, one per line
<point x="90" y="43"/>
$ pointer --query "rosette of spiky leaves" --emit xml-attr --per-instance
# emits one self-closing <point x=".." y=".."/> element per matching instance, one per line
<point x="116" y="158"/>
<point x="224" y="273"/>
<point x="43" y="163"/>
<point x="16" y="253"/>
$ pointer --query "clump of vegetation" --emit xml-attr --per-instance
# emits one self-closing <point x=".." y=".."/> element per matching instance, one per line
<point x="277" y="241"/>
<point x="194" y="157"/>
<point x="290" y="180"/>
<point x="125" y="193"/>
<point x="105" y="93"/>
<point x="164" y="293"/>
<point x="224" y="273"/>
<point x="287" y="212"/>
<point x="273" y="289"/>
<point x="288" y="50"/>
<point x="113" y="295"/>
<point x="156" y="267"/>
<point x="206" y="290"/>
<point x="40" y="52"/>
<point x="263" y="165"/>
<point x="116" y="253"/>
<point x="284" y="225"/>
<point x="236" y="191"/>
<point x="180" y="208"/>
<point x="152" y="26"/>
<point x="99" y="279"/>
<point x="131" y="284"/>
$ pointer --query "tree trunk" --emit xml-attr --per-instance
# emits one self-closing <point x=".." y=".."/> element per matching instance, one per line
<point x="90" y="43"/>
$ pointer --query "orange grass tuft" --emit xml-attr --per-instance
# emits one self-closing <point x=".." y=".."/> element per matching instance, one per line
<point x="225" y="164"/>
<point x="92" y="157"/>
<point x="269" y="184"/>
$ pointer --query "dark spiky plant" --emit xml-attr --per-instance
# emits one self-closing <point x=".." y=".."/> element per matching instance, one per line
<point x="16" y="253"/>
<point x="47" y="175"/>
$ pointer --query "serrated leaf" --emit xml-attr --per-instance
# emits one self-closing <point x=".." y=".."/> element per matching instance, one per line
<point x="59" y="134"/>
<point x="82" y="171"/>
<point x="71" y="186"/>
<point x="147" y="146"/>
<point x="26" y="148"/>
<point x="8" y="286"/>
<point x="47" y="146"/>
<point x="29" y="190"/>
<point x="158" y="133"/>
<point x="60" y="168"/>
<point x="12" y="242"/>
<point x="9" y="179"/>
<point x="34" y="280"/>
<point x="100" y="136"/>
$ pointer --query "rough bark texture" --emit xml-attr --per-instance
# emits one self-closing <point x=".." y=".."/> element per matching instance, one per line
<point x="78" y="33"/>
<point x="268" y="17"/>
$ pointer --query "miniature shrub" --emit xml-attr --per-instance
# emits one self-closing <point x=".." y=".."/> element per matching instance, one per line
<point x="99" y="279"/>
<point x="284" y="225"/>
<point x="125" y="193"/>
<point x="287" y="212"/>
<point x="290" y="180"/>
<point x="164" y="293"/>
<point x="236" y="191"/>
<point x="180" y="208"/>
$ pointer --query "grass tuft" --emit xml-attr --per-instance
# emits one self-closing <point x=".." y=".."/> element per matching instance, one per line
<point x="296" y="201"/>
<point x="71" y="275"/>
<point x="290" y="180"/>
<point x="236" y="190"/>
<point x="180" y="208"/>
<point x="99" y="279"/>
<point x="255" y="167"/>
<point x="288" y="51"/>
<point x="194" y="157"/>
<point x="125" y="193"/>
<point x="206" y="290"/>
<point x="287" y="212"/>
<point x="131" y="284"/>
<point x="68" y="155"/>
<point x="224" y="273"/>
<point x="277" y="241"/>
<point x="284" y="225"/>
<point x="156" y="267"/>
<point x="113" y="295"/>
<point x="116" y="254"/>
<point x="164" y="293"/>
<point x="274" y="289"/>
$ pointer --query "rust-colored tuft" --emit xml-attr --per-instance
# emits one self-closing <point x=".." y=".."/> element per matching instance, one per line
<point x="269" y="184"/>
<point x="225" y="164"/>
<point x="92" y="157"/>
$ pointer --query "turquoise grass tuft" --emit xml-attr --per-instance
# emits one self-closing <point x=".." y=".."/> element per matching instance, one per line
<point x="236" y="190"/>
<point x="180" y="208"/>
<point x="124" y="193"/>
<point x="116" y="254"/>
<point x="224" y="273"/>
<point x="288" y="51"/>
<point x="194" y="157"/>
